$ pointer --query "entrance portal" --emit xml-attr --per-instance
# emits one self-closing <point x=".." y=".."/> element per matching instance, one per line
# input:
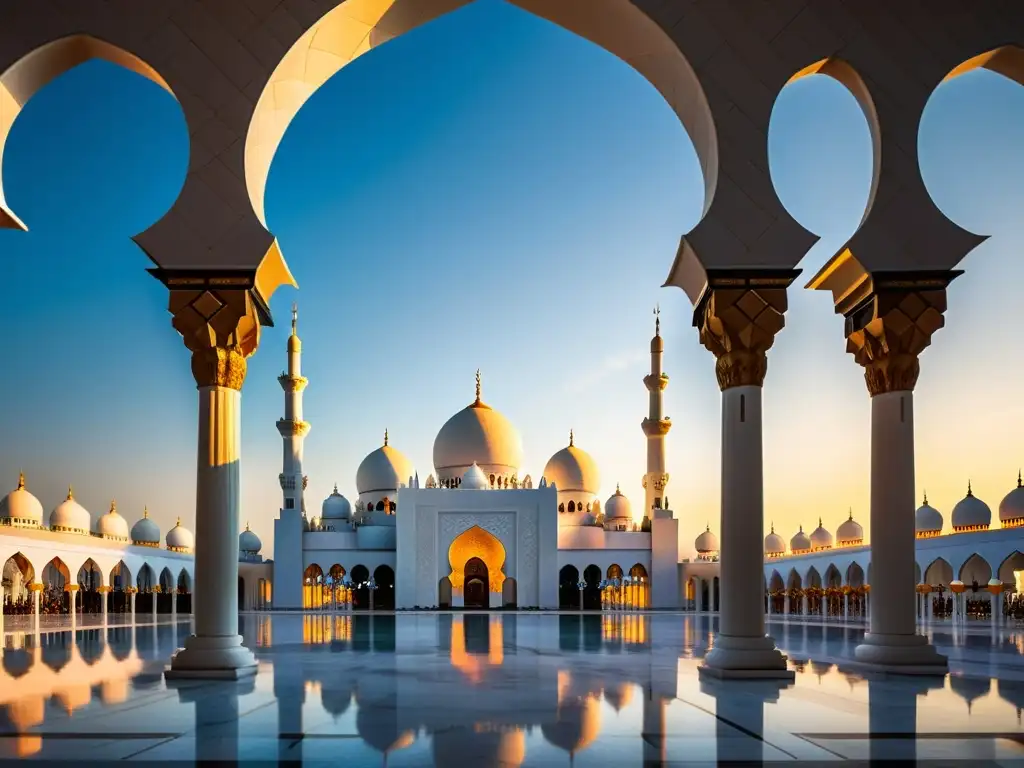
<point x="477" y="589"/>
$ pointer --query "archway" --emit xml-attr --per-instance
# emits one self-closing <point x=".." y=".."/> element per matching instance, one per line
<point x="975" y="572"/>
<point x="444" y="593"/>
<point x="313" y="587"/>
<point x="1010" y="568"/>
<point x="795" y="592"/>
<point x="384" y="597"/>
<point x="640" y="587"/>
<point x="145" y="582"/>
<point x="472" y="543"/>
<point x="336" y="580"/>
<point x="120" y="580"/>
<point x="568" y="592"/>
<point x="476" y="585"/>
<point x="55" y="579"/>
<point x="89" y="580"/>
<point x="938" y="573"/>
<point x="17" y="575"/>
<point x="509" y="594"/>
<point x="776" y="592"/>
<point x="183" y="594"/>
<point x="360" y="592"/>
<point x="592" y="592"/>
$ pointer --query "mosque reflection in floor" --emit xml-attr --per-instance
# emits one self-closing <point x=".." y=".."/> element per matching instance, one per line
<point x="499" y="689"/>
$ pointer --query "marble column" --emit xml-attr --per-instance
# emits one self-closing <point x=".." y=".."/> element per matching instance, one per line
<point x="72" y="590"/>
<point x="104" y="596"/>
<point x="890" y="320"/>
<point x="738" y="316"/>
<point x="131" y="604"/>
<point x="36" y="588"/>
<point x="219" y="320"/>
<point x="153" y="606"/>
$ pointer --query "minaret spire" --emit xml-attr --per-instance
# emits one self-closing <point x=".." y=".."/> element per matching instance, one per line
<point x="479" y="389"/>
<point x="656" y="425"/>
<point x="293" y="428"/>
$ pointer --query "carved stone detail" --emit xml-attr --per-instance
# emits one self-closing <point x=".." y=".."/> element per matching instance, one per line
<point x="656" y="428"/>
<point x="292" y="383"/>
<point x="738" y="316"/>
<point x="887" y="332"/>
<point x="289" y="428"/>
<point x="219" y="318"/>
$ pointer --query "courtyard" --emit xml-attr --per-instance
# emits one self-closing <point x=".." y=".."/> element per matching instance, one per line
<point x="501" y="689"/>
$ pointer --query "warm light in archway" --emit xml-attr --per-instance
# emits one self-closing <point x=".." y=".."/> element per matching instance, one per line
<point x="476" y="542"/>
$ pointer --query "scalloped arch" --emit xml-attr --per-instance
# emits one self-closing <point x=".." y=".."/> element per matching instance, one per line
<point x="33" y="71"/>
<point x="356" y="27"/>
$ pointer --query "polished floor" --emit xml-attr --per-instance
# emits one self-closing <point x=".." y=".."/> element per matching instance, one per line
<point x="476" y="690"/>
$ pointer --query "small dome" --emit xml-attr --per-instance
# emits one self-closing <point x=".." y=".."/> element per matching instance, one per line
<point x="850" y="531"/>
<point x="927" y="519"/>
<point x="820" y="538"/>
<point x="474" y="479"/>
<point x="1011" y="508"/>
<point x="69" y="515"/>
<point x="21" y="505"/>
<point x="336" y="507"/>
<point x="618" y="507"/>
<point x="573" y="469"/>
<point x="800" y="542"/>
<point x="707" y="542"/>
<point x="384" y="469"/>
<point x="774" y="544"/>
<point x="971" y="513"/>
<point x="145" y="531"/>
<point x="478" y="434"/>
<point x="112" y="525"/>
<point x="248" y="541"/>
<point x="180" y="539"/>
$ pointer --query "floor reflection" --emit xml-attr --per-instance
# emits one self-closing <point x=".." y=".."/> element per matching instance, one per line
<point x="500" y="689"/>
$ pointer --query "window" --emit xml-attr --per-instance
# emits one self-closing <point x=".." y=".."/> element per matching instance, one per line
<point x="572" y="506"/>
<point x="289" y="503"/>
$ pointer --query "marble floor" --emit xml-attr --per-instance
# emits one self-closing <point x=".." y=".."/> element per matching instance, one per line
<point x="476" y="690"/>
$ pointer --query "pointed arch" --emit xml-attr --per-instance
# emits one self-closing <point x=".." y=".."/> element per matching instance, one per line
<point x="146" y="578"/>
<point x="793" y="581"/>
<point x="166" y="580"/>
<point x="90" y="576"/>
<point x="476" y="542"/>
<point x="939" y="571"/>
<point x="813" y="578"/>
<point x="33" y="71"/>
<point x="775" y="582"/>
<point x="1012" y="565"/>
<point x="854" y="575"/>
<point x="121" y="576"/>
<point x="975" y="569"/>
<point x="56" y="573"/>
<point x="832" y="577"/>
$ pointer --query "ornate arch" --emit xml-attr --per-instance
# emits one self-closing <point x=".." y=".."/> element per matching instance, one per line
<point x="476" y="542"/>
<point x="27" y="76"/>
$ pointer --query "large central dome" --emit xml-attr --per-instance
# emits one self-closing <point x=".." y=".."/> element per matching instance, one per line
<point x="479" y="435"/>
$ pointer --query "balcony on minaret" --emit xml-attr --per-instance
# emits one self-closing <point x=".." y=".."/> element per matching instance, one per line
<point x="656" y="383"/>
<point x="656" y="427"/>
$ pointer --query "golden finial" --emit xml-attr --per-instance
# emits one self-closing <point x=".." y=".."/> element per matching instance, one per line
<point x="1018" y="478"/>
<point x="657" y="319"/>
<point x="70" y="494"/>
<point x="113" y="506"/>
<point x="385" y="440"/>
<point x="145" y="513"/>
<point x="478" y="388"/>
<point x="707" y="528"/>
<point x="295" y="318"/>
<point x="570" y="438"/>
<point x="617" y="491"/>
<point x="969" y="493"/>
<point x="21" y="481"/>
<point x="851" y="514"/>
<point x="801" y="528"/>
<point x="925" y="504"/>
<point x="178" y="524"/>
<point x="819" y="522"/>
<point x="335" y="487"/>
<point x="247" y="525"/>
<point x="773" y="526"/>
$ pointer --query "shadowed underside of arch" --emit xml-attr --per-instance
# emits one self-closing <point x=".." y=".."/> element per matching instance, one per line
<point x="35" y="70"/>
<point x="356" y="27"/>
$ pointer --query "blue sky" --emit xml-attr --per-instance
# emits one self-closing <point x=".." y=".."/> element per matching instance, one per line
<point x="488" y="191"/>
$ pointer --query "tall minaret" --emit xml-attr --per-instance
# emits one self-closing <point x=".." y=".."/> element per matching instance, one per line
<point x="292" y="428"/>
<point x="656" y="425"/>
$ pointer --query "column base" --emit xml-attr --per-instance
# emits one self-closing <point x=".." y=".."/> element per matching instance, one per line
<point x="745" y="658"/>
<point x="900" y="654"/>
<point x="212" y="658"/>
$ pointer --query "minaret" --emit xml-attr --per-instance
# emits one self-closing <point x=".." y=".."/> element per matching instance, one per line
<point x="656" y="425"/>
<point x="292" y="428"/>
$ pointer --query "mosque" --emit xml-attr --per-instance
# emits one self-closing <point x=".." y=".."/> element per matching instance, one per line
<point x="477" y="532"/>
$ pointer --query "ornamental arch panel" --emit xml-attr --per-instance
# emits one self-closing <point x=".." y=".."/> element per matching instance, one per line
<point x="939" y="571"/>
<point x="975" y="569"/>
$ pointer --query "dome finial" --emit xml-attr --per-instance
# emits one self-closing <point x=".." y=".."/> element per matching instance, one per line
<point x="617" y="491"/>
<point x="335" y="487"/>
<point x="478" y="388"/>
<point x="773" y="526"/>
<point x="21" y="481"/>
<point x="247" y="525"/>
<point x="178" y="523"/>
<point x="295" y="318"/>
<point x="145" y="513"/>
<point x="70" y="494"/>
<point x="657" y="320"/>
<point x="925" y="504"/>
<point x="385" y="441"/>
<point x="969" y="493"/>
<point x="571" y="441"/>
<point x="708" y="527"/>
<point x="851" y="514"/>
<point x="113" y="506"/>
<point x="1018" y="478"/>
<point x="819" y="522"/>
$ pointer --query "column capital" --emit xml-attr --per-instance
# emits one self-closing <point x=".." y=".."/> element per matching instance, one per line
<point x="890" y="317"/>
<point x="738" y="315"/>
<point x="218" y="313"/>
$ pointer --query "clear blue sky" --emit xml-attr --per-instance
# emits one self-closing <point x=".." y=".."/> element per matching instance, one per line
<point x="507" y="197"/>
